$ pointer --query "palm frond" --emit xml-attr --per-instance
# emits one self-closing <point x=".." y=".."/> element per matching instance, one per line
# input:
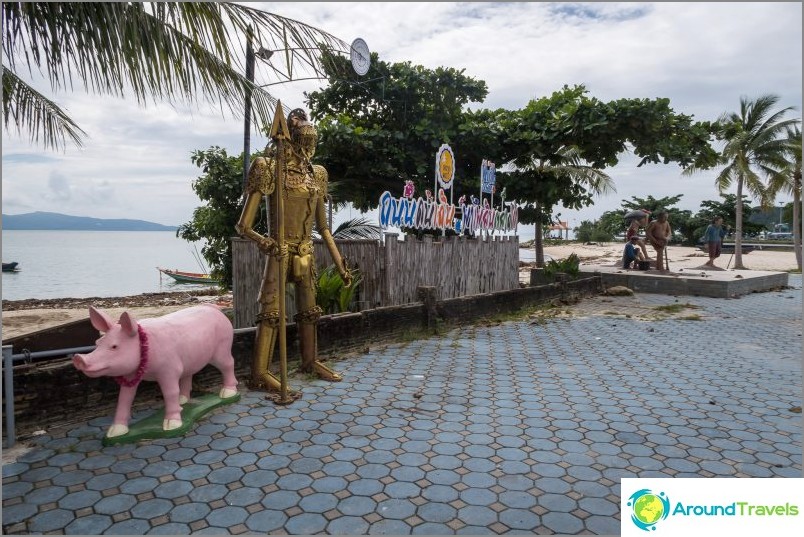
<point x="357" y="228"/>
<point x="176" y="51"/>
<point x="30" y="111"/>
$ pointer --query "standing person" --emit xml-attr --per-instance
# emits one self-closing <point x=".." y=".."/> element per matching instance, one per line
<point x="633" y="231"/>
<point x="658" y="234"/>
<point x="713" y="236"/>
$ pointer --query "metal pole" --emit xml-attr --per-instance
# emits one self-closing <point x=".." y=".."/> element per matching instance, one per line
<point x="8" y="389"/>
<point x="247" y="109"/>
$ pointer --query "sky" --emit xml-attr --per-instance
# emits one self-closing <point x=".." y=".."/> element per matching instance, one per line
<point x="702" y="56"/>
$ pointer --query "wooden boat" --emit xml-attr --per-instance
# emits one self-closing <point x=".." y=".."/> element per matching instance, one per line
<point x="188" y="277"/>
<point x="10" y="267"/>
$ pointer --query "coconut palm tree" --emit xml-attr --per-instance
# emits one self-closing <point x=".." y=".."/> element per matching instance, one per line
<point x="755" y="151"/>
<point x="174" y="51"/>
<point x="789" y="180"/>
<point x="570" y="166"/>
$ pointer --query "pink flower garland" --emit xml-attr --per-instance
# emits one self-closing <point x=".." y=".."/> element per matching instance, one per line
<point x="122" y="381"/>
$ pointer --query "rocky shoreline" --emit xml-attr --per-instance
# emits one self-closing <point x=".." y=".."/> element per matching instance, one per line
<point x="174" y="298"/>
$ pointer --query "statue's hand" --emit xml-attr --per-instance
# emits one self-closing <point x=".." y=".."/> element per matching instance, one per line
<point x="267" y="245"/>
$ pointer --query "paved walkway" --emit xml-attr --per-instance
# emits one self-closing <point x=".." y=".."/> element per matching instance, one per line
<point x="512" y="427"/>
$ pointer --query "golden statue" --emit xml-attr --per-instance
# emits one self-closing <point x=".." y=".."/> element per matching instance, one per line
<point x="296" y="190"/>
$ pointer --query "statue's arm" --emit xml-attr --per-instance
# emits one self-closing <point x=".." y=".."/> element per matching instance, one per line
<point x="323" y="226"/>
<point x="260" y="182"/>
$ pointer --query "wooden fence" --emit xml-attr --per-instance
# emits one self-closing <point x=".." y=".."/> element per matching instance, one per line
<point x="392" y="272"/>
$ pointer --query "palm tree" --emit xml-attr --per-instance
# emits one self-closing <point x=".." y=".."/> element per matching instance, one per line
<point x="755" y="151"/>
<point x="175" y="51"/>
<point x="789" y="180"/>
<point x="570" y="166"/>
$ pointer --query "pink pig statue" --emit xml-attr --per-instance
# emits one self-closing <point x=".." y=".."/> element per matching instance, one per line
<point x="168" y="349"/>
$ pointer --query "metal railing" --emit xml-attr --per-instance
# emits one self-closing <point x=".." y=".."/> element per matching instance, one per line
<point x="8" y="376"/>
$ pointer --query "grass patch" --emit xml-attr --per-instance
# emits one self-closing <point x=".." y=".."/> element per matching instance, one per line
<point x="693" y="317"/>
<point x="676" y="308"/>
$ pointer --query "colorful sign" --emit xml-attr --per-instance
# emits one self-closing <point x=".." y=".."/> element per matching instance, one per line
<point x="487" y="177"/>
<point x="438" y="214"/>
<point x="445" y="166"/>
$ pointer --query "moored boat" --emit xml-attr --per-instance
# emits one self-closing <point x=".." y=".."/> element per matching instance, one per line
<point x="188" y="277"/>
<point x="10" y="267"/>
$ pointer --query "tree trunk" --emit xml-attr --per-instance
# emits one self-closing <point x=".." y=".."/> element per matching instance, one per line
<point x="738" y="227"/>
<point x="797" y="217"/>
<point x="538" y="243"/>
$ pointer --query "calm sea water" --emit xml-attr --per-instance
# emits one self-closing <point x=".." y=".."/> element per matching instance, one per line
<point x="80" y="264"/>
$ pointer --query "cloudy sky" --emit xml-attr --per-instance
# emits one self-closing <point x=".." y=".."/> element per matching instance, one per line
<point x="702" y="56"/>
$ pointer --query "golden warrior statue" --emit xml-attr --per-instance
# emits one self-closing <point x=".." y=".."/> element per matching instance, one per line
<point x="303" y="193"/>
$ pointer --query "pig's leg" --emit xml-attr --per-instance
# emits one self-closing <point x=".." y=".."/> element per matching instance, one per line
<point x="122" y="414"/>
<point x="224" y="361"/>
<point x="307" y="320"/>
<point x="170" y="392"/>
<point x="185" y="387"/>
<point x="267" y="329"/>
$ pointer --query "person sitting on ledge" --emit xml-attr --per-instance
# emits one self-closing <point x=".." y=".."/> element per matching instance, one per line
<point x="632" y="255"/>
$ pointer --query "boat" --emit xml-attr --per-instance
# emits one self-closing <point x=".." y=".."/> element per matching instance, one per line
<point x="188" y="277"/>
<point x="10" y="267"/>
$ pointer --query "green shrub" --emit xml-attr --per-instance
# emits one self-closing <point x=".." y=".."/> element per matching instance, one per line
<point x="570" y="266"/>
<point x="332" y="295"/>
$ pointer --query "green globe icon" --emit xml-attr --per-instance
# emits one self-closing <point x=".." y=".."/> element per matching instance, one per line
<point x="648" y="509"/>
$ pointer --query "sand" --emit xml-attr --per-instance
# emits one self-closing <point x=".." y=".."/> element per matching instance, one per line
<point x="31" y="319"/>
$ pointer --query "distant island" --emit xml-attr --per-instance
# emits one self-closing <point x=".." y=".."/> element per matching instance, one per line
<point x="56" y="221"/>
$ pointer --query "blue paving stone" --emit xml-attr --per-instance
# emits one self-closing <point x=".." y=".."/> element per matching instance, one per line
<point x="226" y="517"/>
<point x="600" y="525"/>
<point x="40" y="474"/>
<point x="138" y="485"/>
<point x="170" y="528"/>
<point x="132" y="526"/>
<point x="189" y="512"/>
<point x="208" y="493"/>
<point x="682" y="465"/>
<point x="389" y="527"/>
<point x="407" y="473"/>
<point x="17" y="488"/>
<point x="440" y="493"/>
<point x="550" y="485"/>
<point x="128" y="465"/>
<point x="563" y="523"/>
<point x="646" y="463"/>
<point x="549" y="470"/>
<point x="402" y="490"/>
<point x="281" y="499"/>
<point x="520" y="519"/>
<point x="753" y="470"/>
<point x="599" y="506"/>
<point x="45" y="495"/>
<point x="105" y="481"/>
<point x="517" y="499"/>
<point x="17" y="513"/>
<point x="263" y="436"/>
<point x="89" y="525"/>
<point x="173" y="489"/>
<point x="397" y="508"/>
<point x="432" y="528"/>
<point x="151" y="508"/>
<point x="48" y="521"/>
<point x="64" y="459"/>
<point x="97" y="462"/>
<point x="477" y="515"/>
<point x="328" y="484"/>
<point x="365" y="487"/>
<point x="273" y="462"/>
<point x="36" y="455"/>
<point x="517" y="482"/>
<point x="557" y="502"/>
<point x="357" y="506"/>
<point x="192" y="472"/>
<point x="80" y="499"/>
<point x="348" y="525"/>
<point x="147" y="452"/>
<point x="318" y="503"/>
<point x="14" y="469"/>
<point x="225" y="475"/>
<point x="118" y="503"/>
<point x="209" y="457"/>
<point x="254" y="446"/>
<point x="446" y="462"/>
<point x="443" y="477"/>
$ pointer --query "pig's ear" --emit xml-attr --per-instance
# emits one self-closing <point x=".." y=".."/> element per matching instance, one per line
<point x="128" y="323"/>
<point x="100" y="320"/>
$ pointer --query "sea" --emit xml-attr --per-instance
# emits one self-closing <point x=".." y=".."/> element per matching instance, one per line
<point x="84" y="264"/>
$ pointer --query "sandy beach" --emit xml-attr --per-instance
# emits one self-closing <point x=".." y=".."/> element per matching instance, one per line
<point x="25" y="317"/>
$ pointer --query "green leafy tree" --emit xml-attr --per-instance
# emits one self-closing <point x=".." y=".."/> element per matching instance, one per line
<point x="220" y="187"/>
<point x="174" y="51"/>
<point x="597" y="133"/>
<point x="379" y="130"/>
<point x="592" y="231"/>
<point x="789" y="180"/>
<point x="755" y="151"/>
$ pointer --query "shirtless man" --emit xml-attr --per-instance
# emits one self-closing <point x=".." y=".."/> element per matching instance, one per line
<point x="658" y="234"/>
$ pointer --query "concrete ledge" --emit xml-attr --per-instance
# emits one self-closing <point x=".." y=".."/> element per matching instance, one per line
<point x="714" y="283"/>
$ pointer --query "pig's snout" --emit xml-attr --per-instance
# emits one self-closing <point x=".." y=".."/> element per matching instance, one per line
<point x="80" y="362"/>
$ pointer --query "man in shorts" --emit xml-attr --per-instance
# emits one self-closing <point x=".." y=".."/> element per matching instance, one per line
<point x="658" y="234"/>
<point x="713" y="236"/>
